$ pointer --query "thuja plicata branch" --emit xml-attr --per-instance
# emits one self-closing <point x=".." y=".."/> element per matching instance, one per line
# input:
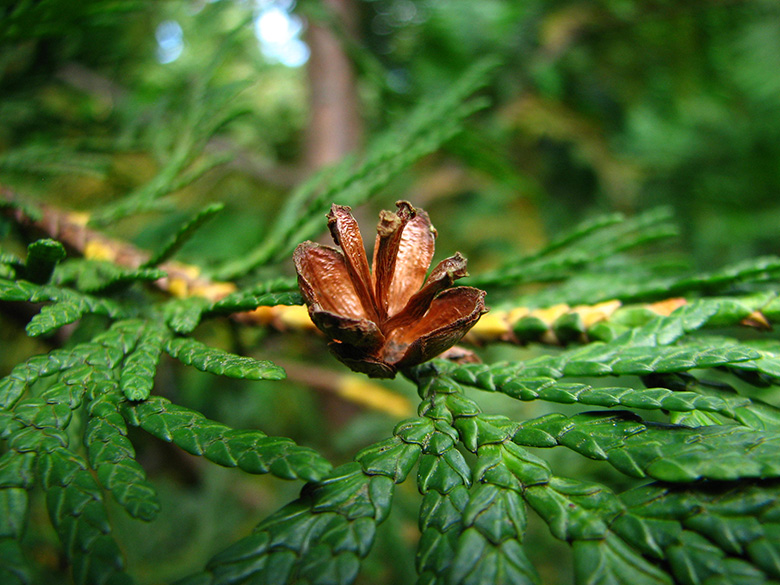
<point x="559" y="324"/>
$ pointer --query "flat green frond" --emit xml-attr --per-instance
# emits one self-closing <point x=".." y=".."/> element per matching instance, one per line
<point x="10" y="265"/>
<point x="717" y="530"/>
<point x="581" y="513"/>
<point x="574" y="510"/>
<point x="762" y="269"/>
<point x="757" y="414"/>
<point x="471" y="535"/>
<point x="587" y="262"/>
<point x="608" y="561"/>
<point x="14" y="384"/>
<point x="665" y="452"/>
<point x="68" y="307"/>
<point x="551" y="390"/>
<point x="250" y="300"/>
<point x="42" y="257"/>
<point x="216" y="361"/>
<point x="767" y="364"/>
<point x="184" y="160"/>
<point x="40" y="160"/>
<point x="17" y="469"/>
<point x="56" y="315"/>
<point x="720" y="531"/>
<point x="322" y="536"/>
<point x="630" y="282"/>
<point x="601" y="360"/>
<point x="112" y="456"/>
<point x="489" y="550"/>
<point x="251" y="451"/>
<point x="184" y="233"/>
<point x="137" y="376"/>
<point x="24" y="291"/>
<point x="319" y="538"/>
<point x="41" y="414"/>
<point x="760" y="416"/>
<point x="443" y="477"/>
<point x="77" y="511"/>
<point x="636" y="325"/>
<point x="184" y="315"/>
<point x="14" y="568"/>
<point x="393" y="458"/>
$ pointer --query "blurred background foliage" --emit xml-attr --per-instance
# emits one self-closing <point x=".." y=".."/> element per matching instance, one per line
<point x="598" y="105"/>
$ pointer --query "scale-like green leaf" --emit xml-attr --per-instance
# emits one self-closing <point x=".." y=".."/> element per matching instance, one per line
<point x="472" y="536"/>
<point x="68" y="306"/>
<point x="320" y="538"/>
<point x="767" y="365"/>
<point x="551" y="390"/>
<point x="54" y="316"/>
<point x="102" y="276"/>
<point x="665" y="452"/>
<point x="443" y="477"/>
<point x="609" y="562"/>
<point x="22" y="290"/>
<point x="208" y="359"/>
<point x="10" y="265"/>
<point x="489" y="550"/>
<point x="250" y="300"/>
<point x="252" y="451"/>
<point x="599" y="360"/>
<point x="718" y="531"/>
<point x="13" y="511"/>
<point x="112" y="457"/>
<point x="17" y="469"/>
<point x="42" y="257"/>
<point x="393" y="458"/>
<point x="137" y="377"/>
<point x="184" y="315"/>
<point x="76" y="509"/>
<point x="13" y="508"/>
<point x="581" y="513"/>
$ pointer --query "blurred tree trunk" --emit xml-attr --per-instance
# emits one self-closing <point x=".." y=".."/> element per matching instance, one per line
<point x="335" y="128"/>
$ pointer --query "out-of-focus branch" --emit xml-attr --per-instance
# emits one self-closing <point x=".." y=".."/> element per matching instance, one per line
<point x="108" y="94"/>
<point x="70" y="228"/>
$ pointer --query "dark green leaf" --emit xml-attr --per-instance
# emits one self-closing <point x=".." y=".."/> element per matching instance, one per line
<point x="137" y="377"/>
<point x="209" y="359"/>
<point x="42" y="257"/>
<point x="252" y="451"/>
<point x="77" y="512"/>
<point x="665" y="452"/>
<point x="319" y="538"/>
<point x="610" y="561"/>
<point x="112" y="456"/>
